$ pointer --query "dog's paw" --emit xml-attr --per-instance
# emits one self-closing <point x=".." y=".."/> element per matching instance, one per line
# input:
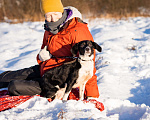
<point x="81" y="98"/>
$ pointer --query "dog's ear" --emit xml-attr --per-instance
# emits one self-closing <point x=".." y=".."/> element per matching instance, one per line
<point x="97" y="47"/>
<point x="74" y="49"/>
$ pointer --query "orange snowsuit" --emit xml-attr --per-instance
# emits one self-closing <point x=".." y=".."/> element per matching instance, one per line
<point x="60" y="44"/>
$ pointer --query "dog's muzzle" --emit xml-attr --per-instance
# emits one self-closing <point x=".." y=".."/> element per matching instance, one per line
<point x="88" y="50"/>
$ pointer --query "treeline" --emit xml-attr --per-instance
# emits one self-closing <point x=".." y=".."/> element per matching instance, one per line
<point x="21" y="10"/>
<point x="29" y="10"/>
<point x="112" y="8"/>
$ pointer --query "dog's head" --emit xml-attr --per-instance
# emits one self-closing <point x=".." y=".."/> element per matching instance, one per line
<point x="85" y="48"/>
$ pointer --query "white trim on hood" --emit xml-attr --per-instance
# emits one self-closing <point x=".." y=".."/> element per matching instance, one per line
<point x="75" y="12"/>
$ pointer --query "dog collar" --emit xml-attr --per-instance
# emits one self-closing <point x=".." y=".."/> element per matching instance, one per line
<point x="71" y="57"/>
<point x="84" y="60"/>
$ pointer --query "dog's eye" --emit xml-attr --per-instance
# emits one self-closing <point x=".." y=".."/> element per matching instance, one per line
<point x="82" y="45"/>
<point x="90" y="44"/>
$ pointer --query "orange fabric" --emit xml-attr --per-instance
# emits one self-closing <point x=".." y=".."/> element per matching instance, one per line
<point x="60" y="44"/>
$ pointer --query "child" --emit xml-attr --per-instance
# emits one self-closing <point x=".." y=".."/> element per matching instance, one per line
<point x="63" y="28"/>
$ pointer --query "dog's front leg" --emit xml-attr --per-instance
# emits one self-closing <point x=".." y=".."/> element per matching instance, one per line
<point x="65" y="97"/>
<point x="81" y="91"/>
<point x="59" y="94"/>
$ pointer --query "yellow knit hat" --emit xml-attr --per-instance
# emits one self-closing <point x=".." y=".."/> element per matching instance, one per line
<point x="52" y="6"/>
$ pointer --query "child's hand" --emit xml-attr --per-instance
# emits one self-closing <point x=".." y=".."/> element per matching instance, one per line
<point x="44" y="54"/>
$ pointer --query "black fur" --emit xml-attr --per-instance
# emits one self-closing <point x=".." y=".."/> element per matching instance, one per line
<point x="97" y="47"/>
<point x="67" y="73"/>
<point x="74" y="49"/>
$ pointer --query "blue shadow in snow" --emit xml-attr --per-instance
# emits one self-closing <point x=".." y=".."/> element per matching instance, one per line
<point x="95" y="31"/>
<point x="126" y="113"/>
<point x="141" y="39"/>
<point x="141" y="94"/>
<point x="147" y="31"/>
<point x="5" y="32"/>
<point x="13" y="61"/>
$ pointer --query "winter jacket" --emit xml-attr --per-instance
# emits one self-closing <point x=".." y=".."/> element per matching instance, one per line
<point x="59" y="45"/>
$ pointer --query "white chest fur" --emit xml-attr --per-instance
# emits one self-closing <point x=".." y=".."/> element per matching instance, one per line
<point x="85" y="72"/>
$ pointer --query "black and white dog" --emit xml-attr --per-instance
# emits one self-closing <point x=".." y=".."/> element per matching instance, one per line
<point x="73" y="74"/>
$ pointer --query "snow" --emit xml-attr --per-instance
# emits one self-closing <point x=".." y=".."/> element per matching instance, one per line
<point x="123" y="71"/>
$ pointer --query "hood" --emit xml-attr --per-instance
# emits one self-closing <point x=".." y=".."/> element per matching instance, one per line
<point x="73" y="12"/>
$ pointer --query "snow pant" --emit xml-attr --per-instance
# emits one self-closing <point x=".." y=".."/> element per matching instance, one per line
<point x="22" y="82"/>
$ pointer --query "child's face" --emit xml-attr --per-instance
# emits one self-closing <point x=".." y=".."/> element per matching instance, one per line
<point x="53" y="16"/>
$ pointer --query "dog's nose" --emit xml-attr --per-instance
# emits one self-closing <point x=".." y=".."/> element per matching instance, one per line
<point x="87" y="49"/>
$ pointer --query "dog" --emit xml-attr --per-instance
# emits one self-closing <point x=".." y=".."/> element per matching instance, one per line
<point x="60" y="80"/>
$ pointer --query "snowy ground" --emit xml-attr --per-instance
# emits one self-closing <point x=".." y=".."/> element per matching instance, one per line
<point x="123" y="70"/>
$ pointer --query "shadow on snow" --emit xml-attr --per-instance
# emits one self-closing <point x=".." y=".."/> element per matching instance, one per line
<point x="147" y="31"/>
<point x="141" y="93"/>
<point x="127" y="113"/>
<point x="13" y="61"/>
